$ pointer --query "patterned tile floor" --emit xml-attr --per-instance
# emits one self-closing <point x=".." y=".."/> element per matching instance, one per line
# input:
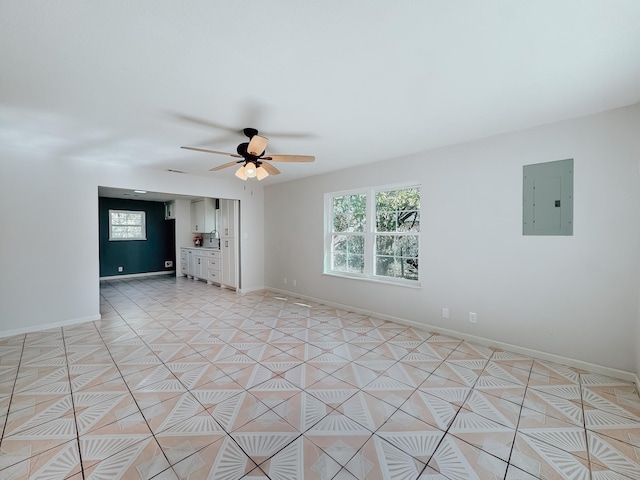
<point x="184" y="380"/>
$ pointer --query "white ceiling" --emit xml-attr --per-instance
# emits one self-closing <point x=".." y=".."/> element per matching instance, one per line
<point x="129" y="82"/>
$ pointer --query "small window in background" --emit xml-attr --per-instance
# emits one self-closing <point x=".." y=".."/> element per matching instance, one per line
<point x="127" y="225"/>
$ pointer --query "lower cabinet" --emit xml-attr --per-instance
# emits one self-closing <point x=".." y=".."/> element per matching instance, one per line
<point x="201" y="264"/>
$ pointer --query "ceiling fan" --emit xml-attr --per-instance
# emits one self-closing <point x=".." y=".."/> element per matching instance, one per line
<point x="252" y="157"/>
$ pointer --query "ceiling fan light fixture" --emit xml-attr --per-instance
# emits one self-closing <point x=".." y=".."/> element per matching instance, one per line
<point x="257" y="144"/>
<point x="240" y="173"/>
<point x="250" y="170"/>
<point x="261" y="173"/>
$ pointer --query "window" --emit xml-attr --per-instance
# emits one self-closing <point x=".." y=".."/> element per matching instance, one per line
<point x="127" y="225"/>
<point x="374" y="234"/>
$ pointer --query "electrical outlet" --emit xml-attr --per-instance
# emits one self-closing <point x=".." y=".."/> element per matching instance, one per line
<point x="295" y="284"/>
<point x="120" y="269"/>
<point x="445" y="313"/>
<point x="473" y="317"/>
<point x="285" y="280"/>
<point x="168" y="263"/>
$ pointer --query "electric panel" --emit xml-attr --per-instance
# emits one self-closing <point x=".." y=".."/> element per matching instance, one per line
<point x="547" y="198"/>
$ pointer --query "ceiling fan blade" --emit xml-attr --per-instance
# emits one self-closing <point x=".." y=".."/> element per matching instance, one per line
<point x="270" y="168"/>
<point x="212" y="151"/>
<point x="257" y="145"/>
<point x="290" y="158"/>
<point x="220" y="167"/>
<point x="206" y="123"/>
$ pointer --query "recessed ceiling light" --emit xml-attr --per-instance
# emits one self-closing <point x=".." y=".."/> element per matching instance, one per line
<point x="139" y="191"/>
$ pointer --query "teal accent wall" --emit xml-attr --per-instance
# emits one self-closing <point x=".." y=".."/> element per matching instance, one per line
<point x="136" y="256"/>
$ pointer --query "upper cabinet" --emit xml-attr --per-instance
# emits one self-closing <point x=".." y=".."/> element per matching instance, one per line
<point x="170" y="210"/>
<point x="228" y="218"/>
<point x="203" y="215"/>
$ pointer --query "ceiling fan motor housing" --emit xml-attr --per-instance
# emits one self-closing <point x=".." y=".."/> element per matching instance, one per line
<point x="250" y="132"/>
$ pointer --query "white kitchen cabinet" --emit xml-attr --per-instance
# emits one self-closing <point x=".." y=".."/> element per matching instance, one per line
<point x="228" y="218"/>
<point x="213" y="266"/>
<point x="202" y="263"/>
<point x="191" y="269"/>
<point x="229" y="253"/>
<point x="184" y="261"/>
<point x="203" y="215"/>
<point x="170" y="210"/>
<point x="199" y="264"/>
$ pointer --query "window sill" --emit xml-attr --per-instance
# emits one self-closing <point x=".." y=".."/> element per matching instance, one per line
<point x="415" y="285"/>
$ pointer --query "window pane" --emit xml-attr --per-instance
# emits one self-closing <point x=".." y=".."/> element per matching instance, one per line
<point x="348" y="253"/>
<point x="355" y="244"/>
<point x="385" y="266"/>
<point x="356" y="263"/>
<point x="408" y="221"/>
<point x="408" y="268"/>
<point x="349" y="213"/>
<point x="339" y="244"/>
<point x="340" y="262"/>
<point x="384" y="245"/>
<point x="408" y="199"/>
<point x="385" y="221"/>
<point x="407" y="246"/>
<point x="386" y="201"/>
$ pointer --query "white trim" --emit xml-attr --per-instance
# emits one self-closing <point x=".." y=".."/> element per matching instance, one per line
<point x="571" y="362"/>
<point x="136" y="275"/>
<point x="244" y="291"/>
<point x="399" y="282"/>
<point x="47" y="326"/>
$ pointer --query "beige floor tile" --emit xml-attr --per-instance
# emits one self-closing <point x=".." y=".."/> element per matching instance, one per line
<point x="543" y="460"/>
<point x="457" y="459"/>
<point x="140" y="460"/>
<point x="62" y="461"/>
<point x="380" y="460"/>
<point x="492" y="437"/>
<point x="230" y="409"/>
<point x="430" y="409"/>
<point x="221" y="459"/>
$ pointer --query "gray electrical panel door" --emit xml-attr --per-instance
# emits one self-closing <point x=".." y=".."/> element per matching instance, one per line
<point x="547" y="198"/>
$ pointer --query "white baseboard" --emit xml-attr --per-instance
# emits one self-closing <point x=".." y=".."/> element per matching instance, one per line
<point x="571" y="362"/>
<point x="48" y="326"/>
<point x="136" y="275"/>
<point x="243" y="291"/>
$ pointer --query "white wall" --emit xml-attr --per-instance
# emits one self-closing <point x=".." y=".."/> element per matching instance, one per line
<point x="574" y="296"/>
<point x="49" y="241"/>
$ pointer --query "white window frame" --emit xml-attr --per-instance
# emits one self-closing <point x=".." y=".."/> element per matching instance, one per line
<point x="143" y="224"/>
<point x="368" y="273"/>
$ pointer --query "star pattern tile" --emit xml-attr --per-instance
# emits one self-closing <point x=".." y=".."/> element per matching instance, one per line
<point x="181" y="380"/>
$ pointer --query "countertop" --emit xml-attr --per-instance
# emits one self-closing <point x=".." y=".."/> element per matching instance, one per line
<point x="215" y="249"/>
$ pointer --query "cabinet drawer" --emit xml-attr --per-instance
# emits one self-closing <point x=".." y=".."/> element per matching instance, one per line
<point x="213" y="275"/>
<point x="213" y="264"/>
<point x="213" y="254"/>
